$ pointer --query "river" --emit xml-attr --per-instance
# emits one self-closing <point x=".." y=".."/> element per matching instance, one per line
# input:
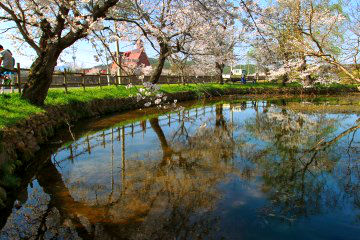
<point x="222" y="169"/>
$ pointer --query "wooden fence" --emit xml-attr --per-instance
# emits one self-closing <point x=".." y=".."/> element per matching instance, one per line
<point x="82" y="80"/>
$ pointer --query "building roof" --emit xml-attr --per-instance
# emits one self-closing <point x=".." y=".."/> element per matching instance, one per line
<point x="129" y="60"/>
<point x="135" y="57"/>
<point x="134" y="54"/>
<point x="132" y="59"/>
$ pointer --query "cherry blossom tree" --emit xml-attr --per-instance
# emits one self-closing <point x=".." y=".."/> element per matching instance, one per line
<point x="352" y="38"/>
<point x="49" y="27"/>
<point x="164" y="24"/>
<point x="181" y="66"/>
<point x="213" y="39"/>
<point x="321" y="32"/>
<point x="177" y="27"/>
<point x="215" y="46"/>
<point x="305" y="34"/>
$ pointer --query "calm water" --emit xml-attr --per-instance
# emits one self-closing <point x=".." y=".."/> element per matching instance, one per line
<point x="239" y="170"/>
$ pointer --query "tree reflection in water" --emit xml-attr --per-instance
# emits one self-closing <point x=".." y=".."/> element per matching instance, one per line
<point x="172" y="197"/>
<point x="307" y="164"/>
<point x="299" y="161"/>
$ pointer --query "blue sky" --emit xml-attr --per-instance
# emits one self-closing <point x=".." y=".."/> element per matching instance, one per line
<point x="84" y="53"/>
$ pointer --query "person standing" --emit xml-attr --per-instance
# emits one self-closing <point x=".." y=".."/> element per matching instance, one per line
<point x="7" y="63"/>
<point x="6" y="59"/>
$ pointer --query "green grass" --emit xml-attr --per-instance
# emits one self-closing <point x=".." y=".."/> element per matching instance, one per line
<point x="57" y="96"/>
<point x="214" y="86"/>
<point x="13" y="108"/>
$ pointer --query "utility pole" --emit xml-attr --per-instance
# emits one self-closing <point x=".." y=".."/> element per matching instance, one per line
<point x="118" y="59"/>
<point x="74" y="57"/>
<point x="107" y="68"/>
<point x="248" y="73"/>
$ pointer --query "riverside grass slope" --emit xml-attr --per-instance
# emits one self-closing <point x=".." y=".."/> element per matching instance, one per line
<point x="14" y="109"/>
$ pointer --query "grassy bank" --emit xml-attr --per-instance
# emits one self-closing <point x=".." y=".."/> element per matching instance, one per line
<point x="13" y="108"/>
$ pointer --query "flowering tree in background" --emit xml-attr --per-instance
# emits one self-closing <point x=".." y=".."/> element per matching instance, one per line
<point x="181" y="66"/>
<point x="271" y="44"/>
<point x="49" y="27"/>
<point x="215" y="46"/>
<point x="302" y="36"/>
<point x="322" y="29"/>
<point x="211" y="37"/>
<point x="180" y="28"/>
<point x="352" y="48"/>
<point x="164" y="24"/>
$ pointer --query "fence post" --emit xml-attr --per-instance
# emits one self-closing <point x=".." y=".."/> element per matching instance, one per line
<point x="99" y="79"/>
<point x="65" y="82"/>
<point x="108" y="76"/>
<point x="18" y="77"/>
<point x="118" y="73"/>
<point x="83" y="79"/>
<point x="115" y="79"/>
<point x="11" y="85"/>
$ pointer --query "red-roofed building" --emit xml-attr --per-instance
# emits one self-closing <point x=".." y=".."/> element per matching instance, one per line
<point x="132" y="59"/>
<point x="129" y="60"/>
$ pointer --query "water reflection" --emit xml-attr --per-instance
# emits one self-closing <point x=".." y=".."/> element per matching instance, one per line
<point x="237" y="170"/>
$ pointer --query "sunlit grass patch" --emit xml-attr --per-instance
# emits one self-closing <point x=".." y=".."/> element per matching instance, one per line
<point x="213" y="86"/>
<point x="13" y="109"/>
<point x="57" y="96"/>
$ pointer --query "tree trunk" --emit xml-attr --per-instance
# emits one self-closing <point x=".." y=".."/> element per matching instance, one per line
<point x="167" y="151"/>
<point x="285" y="79"/>
<point x="346" y="72"/>
<point x="308" y="80"/>
<point x="220" y="121"/>
<point x="220" y="68"/>
<point x="164" y="51"/>
<point x="40" y="77"/>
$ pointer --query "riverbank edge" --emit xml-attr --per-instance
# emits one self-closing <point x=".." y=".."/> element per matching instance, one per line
<point x="20" y="142"/>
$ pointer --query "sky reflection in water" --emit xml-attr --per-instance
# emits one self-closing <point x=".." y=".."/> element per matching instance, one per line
<point x="245" y="170"/>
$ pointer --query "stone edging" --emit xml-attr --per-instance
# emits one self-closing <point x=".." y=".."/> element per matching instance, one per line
<point x="20" y="142"/>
